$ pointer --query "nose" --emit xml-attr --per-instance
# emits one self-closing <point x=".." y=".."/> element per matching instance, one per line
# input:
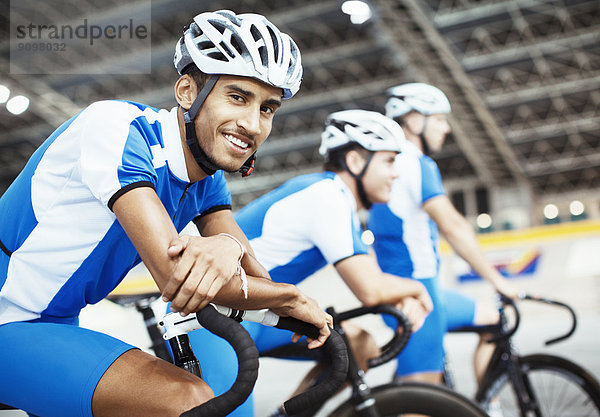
<point x="447" y="128"/>
<point x="249" y="120"/>
<point x="395" y="173"/>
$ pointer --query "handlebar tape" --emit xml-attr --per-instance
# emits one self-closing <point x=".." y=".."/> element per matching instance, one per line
<point x="247" y="355"/>
<point x="335" y="349"/>
<point x="391" y="349"/>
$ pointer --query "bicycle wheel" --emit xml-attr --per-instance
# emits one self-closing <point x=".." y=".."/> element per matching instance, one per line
<point x="560" y="387"/>
<point x="398" y="398"/>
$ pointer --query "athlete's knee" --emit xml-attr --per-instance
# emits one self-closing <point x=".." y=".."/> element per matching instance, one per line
<point x="362" y="343"/>
<point x="187" y="394"/>
<point x="485" y="314"/>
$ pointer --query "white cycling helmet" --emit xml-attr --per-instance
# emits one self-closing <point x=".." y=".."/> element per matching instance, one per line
<point x="423" y="98"/>
<point x="371" y="130"/>
<point x="246" y="45"/>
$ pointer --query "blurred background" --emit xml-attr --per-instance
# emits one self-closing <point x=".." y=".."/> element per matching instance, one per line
<point x="523" y="78"/>
<point x="522" y="163"/>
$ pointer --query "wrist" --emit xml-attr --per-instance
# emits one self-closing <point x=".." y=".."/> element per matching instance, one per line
<point x="288" y="298"/>
<point x="237" y="242"/>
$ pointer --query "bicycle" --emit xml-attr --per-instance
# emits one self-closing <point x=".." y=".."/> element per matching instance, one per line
<point x="384" y="400"/>
<point x="225" y="322"/>
<point x="392" y="399"/>
<point x="540" y="385"/>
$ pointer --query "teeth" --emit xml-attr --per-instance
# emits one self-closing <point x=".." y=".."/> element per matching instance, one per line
<point x="236" y="141"/>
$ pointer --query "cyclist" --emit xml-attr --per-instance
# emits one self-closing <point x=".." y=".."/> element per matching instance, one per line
<point x="406" y="233"/>
<point x="113" y="186"/>
<point x="311" y="221"/>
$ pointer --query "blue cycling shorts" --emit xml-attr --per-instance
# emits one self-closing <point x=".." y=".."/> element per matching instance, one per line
<point x="219" y="363"/>
<point x="424" y="351"/>
<point x="52" y="369"/>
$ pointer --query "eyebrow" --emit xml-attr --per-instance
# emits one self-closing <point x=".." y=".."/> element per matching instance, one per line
<point x="271" y="101"/>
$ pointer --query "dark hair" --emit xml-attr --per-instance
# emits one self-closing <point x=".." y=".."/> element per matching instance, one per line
<point x="198" y="76"/>
<point x="335" y="161"/>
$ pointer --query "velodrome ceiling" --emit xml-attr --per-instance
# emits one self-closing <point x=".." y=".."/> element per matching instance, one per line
<point x="523" y="78"/>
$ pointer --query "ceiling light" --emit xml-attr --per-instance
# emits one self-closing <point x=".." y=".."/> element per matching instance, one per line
<point x="484" y="221"/>
<point x="576" y="208"/>
<point x="359" y="11"/>
<point x="4" y="93"/>
<point x="17" y="104"/>
<point x="550" y="211"/>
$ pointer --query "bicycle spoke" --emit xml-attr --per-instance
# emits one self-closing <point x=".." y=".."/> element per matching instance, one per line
<point x="557" y="395"/>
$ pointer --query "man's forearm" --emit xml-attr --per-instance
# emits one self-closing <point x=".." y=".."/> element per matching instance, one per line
<point x="262" y="293"/>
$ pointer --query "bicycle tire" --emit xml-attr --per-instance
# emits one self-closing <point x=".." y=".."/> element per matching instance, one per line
<point x="562" y="388"/>
<point x="432" y="400"/>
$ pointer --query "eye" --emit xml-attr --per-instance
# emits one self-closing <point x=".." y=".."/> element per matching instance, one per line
<point x="237" y="97"/>
<point x="267" y="109"/>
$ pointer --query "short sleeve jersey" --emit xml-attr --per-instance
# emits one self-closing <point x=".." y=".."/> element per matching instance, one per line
<point x="62" y="246"/>
<point x="406" y="238"/>
<point x="307" y="223"/>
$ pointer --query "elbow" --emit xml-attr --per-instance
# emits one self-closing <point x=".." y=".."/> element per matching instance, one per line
<point x="369" y="299"/>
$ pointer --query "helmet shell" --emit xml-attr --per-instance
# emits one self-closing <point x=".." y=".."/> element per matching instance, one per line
<point x="420" y="97"/>
<point x="371" y="130"/>
<point x="245" y="45"/>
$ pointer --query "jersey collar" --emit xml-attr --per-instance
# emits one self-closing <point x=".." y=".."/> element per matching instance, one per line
<point x="173" y="145"/>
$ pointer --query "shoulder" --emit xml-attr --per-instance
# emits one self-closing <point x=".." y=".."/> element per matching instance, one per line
<point x="115" y="112"/>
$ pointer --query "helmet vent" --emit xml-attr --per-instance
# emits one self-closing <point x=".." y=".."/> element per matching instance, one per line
<point x="275" y="43"/>
<point x="236" y="44"/>
<point x="219" y="26"/>
<point x="255" y="32"/>
<point x="217" y="55"/>
<point x="224" y="46"/>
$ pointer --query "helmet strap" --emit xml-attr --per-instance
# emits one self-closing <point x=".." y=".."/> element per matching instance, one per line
<point x="190" y="128"/>
<point x="424" y="144"/>
<point x="248" y="166"/>
<point x="360" y="188"/>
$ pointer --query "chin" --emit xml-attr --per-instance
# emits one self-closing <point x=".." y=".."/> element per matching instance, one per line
<point x="383" y="199"/>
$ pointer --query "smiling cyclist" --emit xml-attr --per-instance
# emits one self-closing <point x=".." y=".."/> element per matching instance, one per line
<point x="113" y="186"/>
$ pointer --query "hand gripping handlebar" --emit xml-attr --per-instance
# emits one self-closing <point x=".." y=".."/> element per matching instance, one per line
<point x="224" y="322"/>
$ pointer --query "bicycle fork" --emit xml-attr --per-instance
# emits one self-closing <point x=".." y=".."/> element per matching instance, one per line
<point x="363" y="401"/>
<point x="521" y="386"/>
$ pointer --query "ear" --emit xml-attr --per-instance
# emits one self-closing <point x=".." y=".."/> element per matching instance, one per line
<point x="185" y="91"/>
<point x="355" y="162"/>
<point x="414" y="122"/>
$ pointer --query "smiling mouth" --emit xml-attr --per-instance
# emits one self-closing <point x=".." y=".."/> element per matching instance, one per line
<point x="236" y="141"/>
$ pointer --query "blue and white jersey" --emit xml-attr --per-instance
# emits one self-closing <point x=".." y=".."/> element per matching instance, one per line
<point x="406" y="239"/>
<point x="66" y="247"/>
<point x="307" y="223"/>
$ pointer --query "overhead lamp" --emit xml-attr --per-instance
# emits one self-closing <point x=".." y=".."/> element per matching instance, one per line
<point x="4" y="93"/>
<point x="576" y="208"/>
<point x="484" y="221"/>
<point x="359" y="11"/>
<point x="17" y="104"/>
<point x="550" y="211"/>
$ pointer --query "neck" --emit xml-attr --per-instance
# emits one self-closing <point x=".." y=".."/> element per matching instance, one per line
<point x="351" y="184"/>
<point x="195" y="173"/>
<point x="414" y="139"/>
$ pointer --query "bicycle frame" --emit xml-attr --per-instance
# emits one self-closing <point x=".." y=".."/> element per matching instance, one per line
<point x="505" y="357"/>
<point x="363" y="401"/>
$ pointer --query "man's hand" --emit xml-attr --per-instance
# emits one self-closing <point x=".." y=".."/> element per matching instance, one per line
<point x="414" y="310"/>
<point x="309" y="311"/>
<point x="204" y="265"/>
<point x="425" y="299"/>
<point x="507" y="288"/>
